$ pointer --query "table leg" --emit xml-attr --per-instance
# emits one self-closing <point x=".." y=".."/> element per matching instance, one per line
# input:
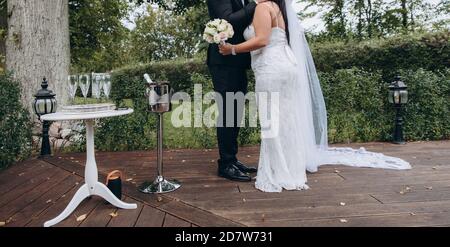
<point x="92" y="186"/>
<point x="81" y="194"/>
<point x="91" y="171"/>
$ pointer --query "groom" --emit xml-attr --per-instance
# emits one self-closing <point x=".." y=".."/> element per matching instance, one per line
<point x="229" y="74"/>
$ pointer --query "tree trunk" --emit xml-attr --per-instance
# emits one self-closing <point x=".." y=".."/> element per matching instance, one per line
<point x="369" y="18"/>
<point x="3" y="27"/>
<point x="360" y="6"/>
<point x="404" y="15"/>
<point x="37" y="46"/>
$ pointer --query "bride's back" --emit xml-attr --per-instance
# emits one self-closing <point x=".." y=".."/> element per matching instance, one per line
<point x="277" y="52"/>
<point x="276" y="15"/>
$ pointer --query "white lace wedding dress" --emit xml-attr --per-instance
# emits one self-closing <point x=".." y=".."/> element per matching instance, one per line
<point x="293" y="115"/>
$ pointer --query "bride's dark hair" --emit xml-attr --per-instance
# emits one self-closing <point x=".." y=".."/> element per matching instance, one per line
<point x="282" y="5"/>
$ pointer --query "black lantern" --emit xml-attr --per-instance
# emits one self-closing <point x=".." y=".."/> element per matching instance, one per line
<point x="398" y="97"/>
<point x="45" y="103"/>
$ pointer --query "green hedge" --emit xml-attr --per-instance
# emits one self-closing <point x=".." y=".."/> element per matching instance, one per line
<point x="354" y="79"/>
<point x="428" y="51"/>
<point x="15" y="127"/>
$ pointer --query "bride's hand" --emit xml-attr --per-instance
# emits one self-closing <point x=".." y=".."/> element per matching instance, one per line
<point x="225" y="49"/>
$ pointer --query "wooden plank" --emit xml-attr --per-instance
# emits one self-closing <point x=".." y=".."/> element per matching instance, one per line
<point x="335" y="212"/>
<point x="32" y="182"/>
<point x="197" y="216"/>
<point x="16" y="168"/>
<point x="85" y="208"/>
<point x="70" y="166"/>
<point x="414" y="196"/>
<point x="150" y="217"/>
<point x="399" y="220"/>
<point x="100" y="216"/>
<point x="23" y="217"/>
<point x="171" y="221"/>
<point x="19" y="176"/>
<point x="279" y="204"/>
<point x="126" y="217"/>
<point x="12" y="207"/>
<point x="54" y="210"/>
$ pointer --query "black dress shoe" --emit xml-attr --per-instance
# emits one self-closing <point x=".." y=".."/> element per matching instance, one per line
<point x="244" y="168"/>
<point x="231" y="172"/>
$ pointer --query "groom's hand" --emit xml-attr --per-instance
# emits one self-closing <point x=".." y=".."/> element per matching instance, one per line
<point x="226" y="49"/>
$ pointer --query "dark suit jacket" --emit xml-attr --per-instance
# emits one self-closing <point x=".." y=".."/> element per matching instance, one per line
<point x="240" y="17"/>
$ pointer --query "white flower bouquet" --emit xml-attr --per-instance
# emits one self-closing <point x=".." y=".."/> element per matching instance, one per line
<point x="218" y="31"/>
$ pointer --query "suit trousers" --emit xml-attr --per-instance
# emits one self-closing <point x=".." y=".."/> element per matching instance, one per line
<point x="228" y="79"/>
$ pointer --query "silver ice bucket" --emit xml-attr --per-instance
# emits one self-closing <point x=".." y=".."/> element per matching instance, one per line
<point x="159" y="96"/>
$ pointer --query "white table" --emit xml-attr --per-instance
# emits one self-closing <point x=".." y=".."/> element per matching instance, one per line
<point x="92" y="186"/>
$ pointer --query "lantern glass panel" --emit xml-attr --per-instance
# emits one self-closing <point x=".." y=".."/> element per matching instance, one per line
<point x="40" y="106"/>
<point x="51" y="106"/>
<point x="397" y="97"/>
<point x="391" y="96"/>
<point x="404" y="96"/>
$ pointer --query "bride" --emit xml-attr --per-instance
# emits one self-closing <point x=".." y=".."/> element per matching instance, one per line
<point x="288" y="91"/>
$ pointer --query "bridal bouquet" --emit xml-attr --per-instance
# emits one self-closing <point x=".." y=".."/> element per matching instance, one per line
<point x="218" y="31"/>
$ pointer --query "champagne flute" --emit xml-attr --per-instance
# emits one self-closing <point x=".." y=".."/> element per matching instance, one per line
<point x="97" y="86"/>
<point x="107" y="85"/>
<point x="84" y="85"/>
<point x="72" y="87"/>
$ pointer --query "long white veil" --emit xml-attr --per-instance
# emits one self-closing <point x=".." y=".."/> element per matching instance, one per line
<point x="323" y="155"/>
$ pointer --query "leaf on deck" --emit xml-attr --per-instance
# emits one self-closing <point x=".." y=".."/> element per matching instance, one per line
<point x="81" y="218"/>
<point x="114" y="214"/>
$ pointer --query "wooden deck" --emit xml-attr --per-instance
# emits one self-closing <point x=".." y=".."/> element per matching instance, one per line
<point x="37" y="190"/>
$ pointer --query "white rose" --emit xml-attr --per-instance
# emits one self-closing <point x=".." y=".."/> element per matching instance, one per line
<point x="210" y="31"/>
<point x="222" y="27"/>
<point x="217" y="39"/>
<point x="223" y="36"/>
<point x="230" y="34"/>
<point x="230" y="30"/>
<point x="208" y="38"/>
<point x="216" y="22"/>
<point x="229" y="26"/>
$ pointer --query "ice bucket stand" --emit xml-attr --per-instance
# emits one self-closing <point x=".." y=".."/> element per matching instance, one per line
<point x="160" y="185"/>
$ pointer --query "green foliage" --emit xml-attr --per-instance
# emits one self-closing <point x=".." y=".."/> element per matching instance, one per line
<point x="178" y="6"/>
<point x="429" y="105"/>
<point x="161" y="35"/>
<point x="360" y="19"/>
<point x="15" y="129"/>
<point x="97" y="35"/>
<point x="429" y="51"/>
<point x="356" y="110"/>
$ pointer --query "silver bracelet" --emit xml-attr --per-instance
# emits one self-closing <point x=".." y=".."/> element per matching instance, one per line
<point x="233" y="50"/>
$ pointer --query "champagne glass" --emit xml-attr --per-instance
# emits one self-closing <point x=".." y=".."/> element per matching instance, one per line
<point x="72" y="87"/>
<point x="107" y="85"/>
<point x="97" y="83"/>
<point x="84" y="85"/>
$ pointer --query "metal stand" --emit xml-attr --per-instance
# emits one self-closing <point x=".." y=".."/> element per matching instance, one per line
<point x="398" y="132"/>
<point x="160" y="185"/>
<point x="45" y="148"/>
